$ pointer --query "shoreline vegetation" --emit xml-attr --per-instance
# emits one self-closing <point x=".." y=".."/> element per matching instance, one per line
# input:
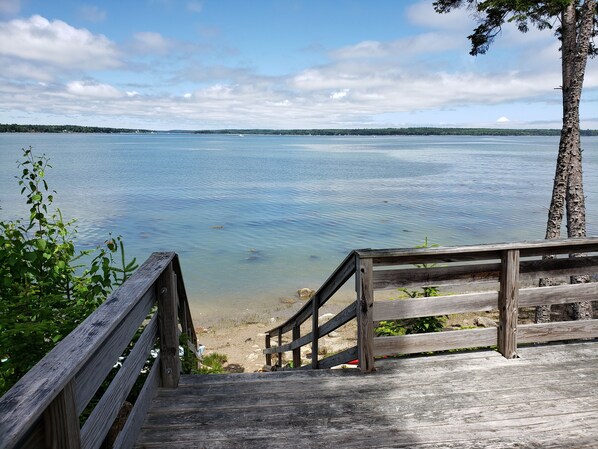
<point x="414" y="131"/>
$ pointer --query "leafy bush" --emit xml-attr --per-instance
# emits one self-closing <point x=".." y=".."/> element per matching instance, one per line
<point x="44" y="294"/>
<point x="212" y="364"/>
<point x="414" y="325"/>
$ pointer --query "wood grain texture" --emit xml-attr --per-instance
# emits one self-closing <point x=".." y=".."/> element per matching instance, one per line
<point x="364" y="306"/>
<point x="315" y="334"/>
<point x="128" y="436"/>
<point x="21" y="407"/>
<point x="339" y="358"/>
<point x="436" y="341"/>
<point x="184" y="312"/>
<point x="61" y="421"/>
<point x="559" y="331"/>
<point x="508" y="303"/>
<point x="168" y="328"/>
<point x="559" y="294"/>
<point x="435" y="305"/>
<point x="548" y="398"/>
<point x="101" y="418"/>
<point x="478" y="252"/>
<point x="99" y="365"/>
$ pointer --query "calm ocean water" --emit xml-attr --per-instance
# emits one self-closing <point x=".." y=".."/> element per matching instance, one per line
<point x="255" y="218"/>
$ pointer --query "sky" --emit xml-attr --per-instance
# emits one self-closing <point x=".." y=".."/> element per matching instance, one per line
<point x="218" y="64"/>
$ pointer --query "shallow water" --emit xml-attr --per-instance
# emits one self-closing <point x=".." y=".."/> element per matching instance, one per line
<point x="255" y="218"/>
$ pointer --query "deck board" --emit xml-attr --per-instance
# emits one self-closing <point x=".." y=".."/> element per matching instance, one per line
<point x="547" y="398"/>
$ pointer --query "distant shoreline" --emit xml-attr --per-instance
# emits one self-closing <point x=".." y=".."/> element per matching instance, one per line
<point x="414" y="131"/>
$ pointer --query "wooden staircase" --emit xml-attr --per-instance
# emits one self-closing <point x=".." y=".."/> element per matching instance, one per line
<point x="547" y="398"/>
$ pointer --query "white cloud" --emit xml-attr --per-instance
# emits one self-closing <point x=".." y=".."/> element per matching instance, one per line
<point x="401" y="48"/>
<point x="92" y="89"/>
<point x="423" y="14"/>
<point x="91" y="13"/>
<point x="147" y="42"/>
<point x="503" y="120"/>
<point x="10" y="7"/>
<point x="132" y="93"/>
<point x="187" y="95"/>
<point x="56" y="43"/>
<point x="339" y="94"/>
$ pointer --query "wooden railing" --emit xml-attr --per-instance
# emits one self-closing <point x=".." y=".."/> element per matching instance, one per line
<point x="43" y="409"/>
<point x="496" y="273"/>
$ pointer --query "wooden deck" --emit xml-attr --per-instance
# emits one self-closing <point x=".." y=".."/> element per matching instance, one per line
<point x="548" y="398"/>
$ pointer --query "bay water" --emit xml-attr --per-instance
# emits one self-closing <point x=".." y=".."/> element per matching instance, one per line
<point x="254" y="218"/>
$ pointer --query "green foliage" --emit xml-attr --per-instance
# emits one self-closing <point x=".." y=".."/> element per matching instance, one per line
<point x="414" y="325"/>
<point x="212" y="364"/>
<point x="44" y="295"/>
<point x="493" y="14"/>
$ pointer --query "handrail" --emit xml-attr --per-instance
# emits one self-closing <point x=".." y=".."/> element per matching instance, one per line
<point x="42" y="409"/>
<point x="504" y="265"/>
<point x="334" y="282"/>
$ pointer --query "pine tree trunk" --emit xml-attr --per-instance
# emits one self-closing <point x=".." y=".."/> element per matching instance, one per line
<point x="568" y="181"/>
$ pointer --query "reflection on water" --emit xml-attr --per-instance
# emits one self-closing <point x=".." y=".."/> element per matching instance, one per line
<point x="255" y="219"/>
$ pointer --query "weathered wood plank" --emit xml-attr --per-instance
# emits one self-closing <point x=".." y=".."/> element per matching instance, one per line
<point x="315" y="334"/>
<point x="343" y="317"/>
<point x="564" y="330"/>
<point x="435" y="276"/>
<point x="128" y="436"/>
<point x="345" y="356"/>
<point x="185" y="313"/>
<point x="467" y="403"/>
<point x="434" y="306"/>
<point x="559" y="294"/>
<point x="508" y="303"/>
<point x="61" y="421"/>
<point x="364" y="306"/>
<point x="480" y="273"/>
<point x="437" y="341"/>
<point x="169" y="337"/>
<point x="97" y="368"/>
<point x="296" y="351"/>
<point x="101" y="418"/>
<point x="26" y="401"/>
<point x="478" y="252"/>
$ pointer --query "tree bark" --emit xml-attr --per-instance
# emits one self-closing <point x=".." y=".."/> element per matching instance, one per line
<point x="568" y="181"/>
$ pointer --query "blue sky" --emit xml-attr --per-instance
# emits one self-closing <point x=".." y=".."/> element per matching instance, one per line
<point x="212" y="64"/>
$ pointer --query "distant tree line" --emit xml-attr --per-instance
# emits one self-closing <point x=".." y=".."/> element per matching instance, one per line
<point x="419" y="131"/>
<point x="14" y="128"/>
<point x="422" y="131"/>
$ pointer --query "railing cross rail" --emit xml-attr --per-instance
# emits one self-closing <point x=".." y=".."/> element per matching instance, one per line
<point x="504" y="267"/>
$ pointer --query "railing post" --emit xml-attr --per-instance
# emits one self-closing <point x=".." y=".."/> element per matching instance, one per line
<point x="268" y="346"/>
<point x="170" y="368"/>
<point x="508" y="299"/>
<point x="296" y="351"/>
<point x="279" y="361"/>
<point x="365" y="323"/>
<point x="61" y="421"/>
<point x="315" y="331"/>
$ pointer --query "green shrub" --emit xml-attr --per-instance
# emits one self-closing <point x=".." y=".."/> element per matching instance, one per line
<point x="44" y="294"/>
<point x="414" y="325"/>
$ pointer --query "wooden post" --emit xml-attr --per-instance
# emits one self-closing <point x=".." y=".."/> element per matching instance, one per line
<point x="365" y="323"/>
<point x="315" y="331"/>
<point x="170" y="364"/>
<point x="296" y="351"/>
<point x="268" y="346"/>
<point x="61" y="422"/>
<point x="508" y="299"/>
<point x="279" y="362"/>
